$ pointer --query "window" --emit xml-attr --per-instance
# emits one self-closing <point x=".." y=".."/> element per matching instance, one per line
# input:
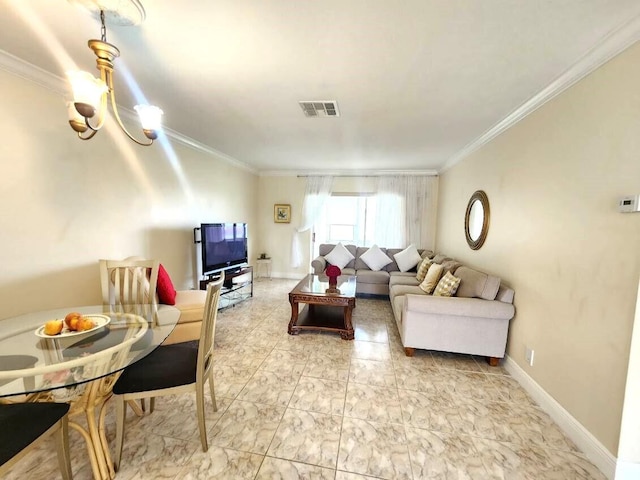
<point x="347" y="219"/>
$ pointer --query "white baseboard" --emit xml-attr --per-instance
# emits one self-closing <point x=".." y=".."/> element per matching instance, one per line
<point x="590" y="446"/>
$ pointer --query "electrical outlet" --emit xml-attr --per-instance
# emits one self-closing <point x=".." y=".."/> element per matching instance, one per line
<point x="528" y="354"/>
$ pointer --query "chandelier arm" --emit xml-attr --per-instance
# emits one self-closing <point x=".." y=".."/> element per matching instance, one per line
<point x="88" y="137"/>
<point x="114" y="107"/>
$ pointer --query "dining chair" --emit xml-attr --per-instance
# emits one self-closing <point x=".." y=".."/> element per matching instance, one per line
<point x="170" y="370"/>
<point x="130" y="284"/>
<point x="22" y="424"/>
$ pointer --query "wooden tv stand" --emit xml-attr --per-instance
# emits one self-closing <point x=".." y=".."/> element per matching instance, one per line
<point x="229" y="286"/>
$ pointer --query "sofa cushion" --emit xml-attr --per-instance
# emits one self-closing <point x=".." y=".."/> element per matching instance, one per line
<point x="191" y="305"/>
<point x="450" y="266"/>
<point x="432" y="278"/>
<point x="339" y="256"/>
<point x="475" y="284"/>
<point x="393" y="266"/>
<point x="370" y="276"/>
<point x="439" y="258"/>
<point x="396" y="290"/>
<point x="398" y="278"/>
<point x="447" y="286"/>
<point x="325" y="248"/>
<point x="426" y="253"/>
<point x="408" y="258"/>
<point x="505" y="294"/>
<point x="422" y="269"/>
<point x="373" y="257"/>
<point x="397" y="304"/>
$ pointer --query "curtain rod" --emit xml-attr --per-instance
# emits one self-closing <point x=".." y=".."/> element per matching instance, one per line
<point x="369" y="175"/>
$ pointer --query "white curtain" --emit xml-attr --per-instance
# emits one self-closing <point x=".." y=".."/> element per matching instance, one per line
<point x="404" y="211"/>
<point x="316" y="195"/>
<point x="390" y="218"/>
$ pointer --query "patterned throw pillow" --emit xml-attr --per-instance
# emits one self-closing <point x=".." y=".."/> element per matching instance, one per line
<point x="423" y="269"/>
<point x="431" y="278"/>
<point x="447" y="286"/>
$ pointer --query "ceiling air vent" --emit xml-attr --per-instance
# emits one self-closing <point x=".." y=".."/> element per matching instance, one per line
<point x="320" y="108"/>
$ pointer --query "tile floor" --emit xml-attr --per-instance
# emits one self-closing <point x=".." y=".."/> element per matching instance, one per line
<point x="314" y="406"/>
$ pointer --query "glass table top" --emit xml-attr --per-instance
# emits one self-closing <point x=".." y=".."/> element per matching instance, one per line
<point x="319" y="284"/>
<point x="31" y="361"/>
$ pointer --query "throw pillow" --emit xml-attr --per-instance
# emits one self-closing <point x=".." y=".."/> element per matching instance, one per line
<point x="339" y="256"/>
<point x="166" y="291"/>
<point x="408" y="258"/>
<point x="375" y="258"/>
<point x="447" y="286"/>
<point x="423" y="269"/>
<point x="431" y="278"/>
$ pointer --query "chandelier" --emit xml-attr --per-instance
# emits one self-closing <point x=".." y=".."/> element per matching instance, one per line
<point x="88" y="110"/>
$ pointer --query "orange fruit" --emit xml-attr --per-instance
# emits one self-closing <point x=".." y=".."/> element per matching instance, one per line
<point x="72" y="320"/>
<point x="53" y="327"/>
<point x="85" y="323"/>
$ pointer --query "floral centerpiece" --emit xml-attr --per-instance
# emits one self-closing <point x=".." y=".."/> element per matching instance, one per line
<point x="333" y="273"/>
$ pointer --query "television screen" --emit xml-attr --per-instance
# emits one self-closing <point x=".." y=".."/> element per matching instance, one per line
<point x="224" y="245"/>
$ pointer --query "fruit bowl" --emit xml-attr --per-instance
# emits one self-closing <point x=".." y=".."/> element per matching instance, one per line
<point x="99" y="320"/>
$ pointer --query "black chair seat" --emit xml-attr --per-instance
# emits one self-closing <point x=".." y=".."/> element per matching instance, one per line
<point x="167" y="366"/>
<point x="23" y="423"/>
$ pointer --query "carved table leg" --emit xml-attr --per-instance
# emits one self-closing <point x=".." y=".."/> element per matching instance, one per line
<point x="294" y="317"/>
<point x="348" y="334"/>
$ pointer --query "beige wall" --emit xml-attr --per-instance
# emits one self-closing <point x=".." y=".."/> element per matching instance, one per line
<point x="66" y="203"/>
<point x="275" y="239"/>
<point x="557" y="238"/>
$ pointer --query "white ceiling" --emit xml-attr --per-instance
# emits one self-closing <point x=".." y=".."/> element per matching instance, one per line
<point x="418" y="82"/>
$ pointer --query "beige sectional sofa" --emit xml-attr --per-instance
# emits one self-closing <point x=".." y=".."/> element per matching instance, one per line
<point x="369" y="282"/>
<point x="475" y="321"/>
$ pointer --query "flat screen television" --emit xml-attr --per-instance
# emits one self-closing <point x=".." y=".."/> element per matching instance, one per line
<point x="224" y="246"/>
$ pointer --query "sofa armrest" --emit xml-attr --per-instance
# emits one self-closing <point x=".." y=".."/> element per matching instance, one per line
<point x="318" y="264"/>
<point x="462" y="307"/>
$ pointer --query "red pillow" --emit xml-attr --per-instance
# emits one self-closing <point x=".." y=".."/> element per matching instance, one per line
<point x="166" y="291"/>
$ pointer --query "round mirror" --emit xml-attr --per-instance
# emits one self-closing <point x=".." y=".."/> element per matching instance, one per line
<point x="476" y="220"/>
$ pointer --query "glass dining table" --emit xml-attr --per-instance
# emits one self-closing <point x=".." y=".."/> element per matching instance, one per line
<point x="79" y="367"/>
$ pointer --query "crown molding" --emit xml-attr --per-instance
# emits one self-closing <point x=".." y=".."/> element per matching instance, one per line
<point x="206" y="149"/>
<point x="28" y="71"/>
<point x="611" y="46"/>
<point x="346" y="173"/>
<point x="48" y="80"/>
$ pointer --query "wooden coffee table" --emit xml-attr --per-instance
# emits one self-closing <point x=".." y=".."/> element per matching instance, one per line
<point x="330" y="311"/>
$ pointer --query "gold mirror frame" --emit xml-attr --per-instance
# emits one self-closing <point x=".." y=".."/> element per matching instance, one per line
<point x="478" y="196"/>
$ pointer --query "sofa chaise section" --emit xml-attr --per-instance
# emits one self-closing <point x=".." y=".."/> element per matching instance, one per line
<point x="475" y="322"/>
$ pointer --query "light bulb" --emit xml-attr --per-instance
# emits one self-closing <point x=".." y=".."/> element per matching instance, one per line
<point x="87" y="90"/>
<point x="150" y="116"/>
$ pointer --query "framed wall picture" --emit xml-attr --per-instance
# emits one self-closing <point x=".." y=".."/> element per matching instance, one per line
<point x="281" y="213"/>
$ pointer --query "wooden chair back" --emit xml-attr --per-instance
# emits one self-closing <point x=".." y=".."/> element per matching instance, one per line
<point x="208" y="329"/>
<point x="129" y="286"/>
